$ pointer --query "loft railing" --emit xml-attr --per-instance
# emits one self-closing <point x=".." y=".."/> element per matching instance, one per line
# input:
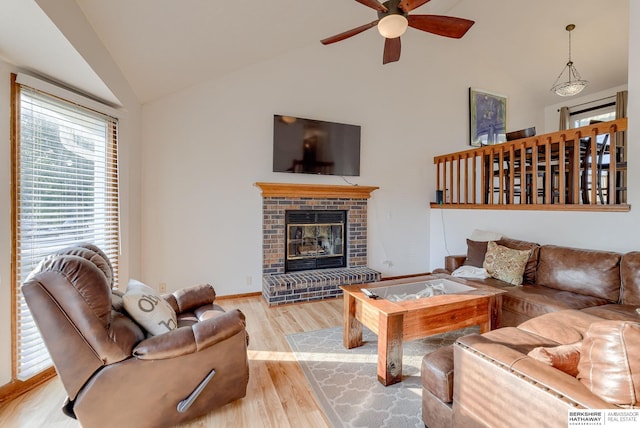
<point x="577" y="169"/>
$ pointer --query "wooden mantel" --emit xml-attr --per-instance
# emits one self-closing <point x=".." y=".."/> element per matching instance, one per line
<point x="315" y="190"/>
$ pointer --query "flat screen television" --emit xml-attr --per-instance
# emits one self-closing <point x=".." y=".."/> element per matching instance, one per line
<point x="311" y="146"/>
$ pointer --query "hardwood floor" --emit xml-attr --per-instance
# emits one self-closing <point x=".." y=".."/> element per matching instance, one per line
<point x="278" y="395"/>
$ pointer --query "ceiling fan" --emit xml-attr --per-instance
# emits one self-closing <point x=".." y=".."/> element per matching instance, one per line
<point x="393" y="20"/>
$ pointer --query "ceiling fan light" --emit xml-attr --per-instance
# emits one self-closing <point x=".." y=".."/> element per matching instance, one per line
<point x="392" y="26"/>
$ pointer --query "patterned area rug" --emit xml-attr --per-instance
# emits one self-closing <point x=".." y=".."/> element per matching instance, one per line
<point x="345" y="381"/>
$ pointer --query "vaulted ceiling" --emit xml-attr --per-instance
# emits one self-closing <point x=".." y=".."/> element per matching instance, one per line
<point x="163" y="46"/>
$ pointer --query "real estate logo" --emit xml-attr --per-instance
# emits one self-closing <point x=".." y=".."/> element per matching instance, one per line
<point x="622" y="418"/>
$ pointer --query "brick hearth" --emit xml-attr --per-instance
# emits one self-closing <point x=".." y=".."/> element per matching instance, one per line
<point x="279" y="287"/>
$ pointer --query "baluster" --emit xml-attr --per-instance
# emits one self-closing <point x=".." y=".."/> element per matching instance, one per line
<point x="612" y="174"/>
<point x="562" y="164"/>
<point x="458" y="163"/>
<point x="548" y="186"/>
<point x="594" y="166"/>
<point x="534" y="171"/>
<point x="473" y="176"/>
<point x="575" y="168"/>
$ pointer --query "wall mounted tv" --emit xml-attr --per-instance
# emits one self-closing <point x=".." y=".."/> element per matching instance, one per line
<point x="315" y="147"/>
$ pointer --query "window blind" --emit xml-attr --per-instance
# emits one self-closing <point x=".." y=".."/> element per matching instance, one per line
<point x="66" y="192"/>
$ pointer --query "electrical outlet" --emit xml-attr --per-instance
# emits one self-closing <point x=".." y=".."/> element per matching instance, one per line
<point x="162" y="287"/>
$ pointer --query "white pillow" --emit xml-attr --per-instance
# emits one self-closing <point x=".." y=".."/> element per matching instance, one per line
<point x="485" y="235"/>
<point x="149" y="309"/>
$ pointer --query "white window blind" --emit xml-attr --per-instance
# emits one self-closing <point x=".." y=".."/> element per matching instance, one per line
<point x="66" y="192"/>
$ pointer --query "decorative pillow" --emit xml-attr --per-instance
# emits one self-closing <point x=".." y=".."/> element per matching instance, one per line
<point x="475" y="253"/>
<point x="609" y="364"/>
<point x="485" y="235"/>
<point x="529" y="275"/>
<point x="505" y="264"/>
<point x="149" y="309"/>
<point x="563" y="357"/>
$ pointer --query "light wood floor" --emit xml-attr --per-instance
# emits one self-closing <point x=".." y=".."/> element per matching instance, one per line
<point x="277" y="395"/>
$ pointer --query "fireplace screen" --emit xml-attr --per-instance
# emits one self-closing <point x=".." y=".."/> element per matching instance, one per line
<point x="315" y="239"/>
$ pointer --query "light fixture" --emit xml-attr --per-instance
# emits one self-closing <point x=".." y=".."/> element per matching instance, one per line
<point x="392" y="26"/>
<point x="574" y="83"/>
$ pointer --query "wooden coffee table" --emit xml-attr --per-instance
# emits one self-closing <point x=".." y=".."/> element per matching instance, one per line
<point x="397" y="322"/>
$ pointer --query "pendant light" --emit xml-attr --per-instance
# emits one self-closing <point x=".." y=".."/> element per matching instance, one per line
<point x="574" y="83"/>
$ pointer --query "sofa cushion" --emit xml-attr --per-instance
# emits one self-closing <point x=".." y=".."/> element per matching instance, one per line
<point x="564" y="327"/>
<point x="615" y="312"/>
<point x="519" y="340"/>
<point x="587" y="272"/>
<point x="505" y="263"/>
<point x="561" y="357"/>
<point x="534" y="300"/>
<point x="630" y="275"/>
<point x="476" y="251"/>
<point x="529" y="275"/>
<point x="485" y="235"/>
<point x="609" y="366"/>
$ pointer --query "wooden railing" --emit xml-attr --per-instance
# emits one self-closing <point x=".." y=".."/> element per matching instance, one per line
<point x="577" y="169"/>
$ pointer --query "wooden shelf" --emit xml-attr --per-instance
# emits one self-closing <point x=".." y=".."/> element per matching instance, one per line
<point x="315" y="190"/>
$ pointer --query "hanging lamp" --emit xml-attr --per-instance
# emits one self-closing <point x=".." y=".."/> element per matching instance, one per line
<point x="574" y="83"/>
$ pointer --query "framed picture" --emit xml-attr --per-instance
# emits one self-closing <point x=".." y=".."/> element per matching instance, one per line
<point x="487" y="118"/>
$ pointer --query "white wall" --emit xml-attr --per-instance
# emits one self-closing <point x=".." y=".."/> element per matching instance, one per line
<point x="203" y="148"/>
<point x="611" y="231"/>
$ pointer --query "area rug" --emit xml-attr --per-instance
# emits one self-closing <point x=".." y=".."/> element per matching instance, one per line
<point x="346" y="384"/>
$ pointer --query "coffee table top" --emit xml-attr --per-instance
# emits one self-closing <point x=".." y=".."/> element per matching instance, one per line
<point x="412" y="293"/>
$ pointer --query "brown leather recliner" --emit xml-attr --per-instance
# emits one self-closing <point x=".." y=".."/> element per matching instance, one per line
<point x="113" y="373"/>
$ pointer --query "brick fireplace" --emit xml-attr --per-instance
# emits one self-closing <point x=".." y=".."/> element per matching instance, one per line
<point x="280" y="286"/>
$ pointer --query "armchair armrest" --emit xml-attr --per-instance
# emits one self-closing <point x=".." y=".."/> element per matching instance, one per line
<point x="190" y="298"/>
<point x="191" y="339"/>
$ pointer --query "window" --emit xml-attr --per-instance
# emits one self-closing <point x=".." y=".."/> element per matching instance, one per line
<point x="602" y="113"/>
<point x="65" y="190"/>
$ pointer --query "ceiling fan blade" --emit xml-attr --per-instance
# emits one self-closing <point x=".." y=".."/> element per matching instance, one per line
<point x="391" y="50"/>
<point x="374" y="4"/>
<point x="409" y="5"/>
<point x="447" y="26"/>
<point x="349" y="33"/>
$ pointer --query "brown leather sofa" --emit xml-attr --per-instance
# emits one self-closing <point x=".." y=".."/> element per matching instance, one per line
<point x="492" y="380"/>
<point x="115" y="375"/>
<point x="558" y="278"/>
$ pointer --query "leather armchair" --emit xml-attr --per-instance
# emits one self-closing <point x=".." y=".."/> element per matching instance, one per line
<point x="115" y="375"/>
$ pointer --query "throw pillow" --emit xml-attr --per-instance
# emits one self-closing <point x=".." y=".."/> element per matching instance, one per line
<point x="529" y="275"/>
<point x="148" y="309"/>
<point x="505" y="264"/>
<point x="609" y="364"/>
<point x="476" y="251"/>
<point x="563" y="357"/>
<point x="484" y="235"/>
